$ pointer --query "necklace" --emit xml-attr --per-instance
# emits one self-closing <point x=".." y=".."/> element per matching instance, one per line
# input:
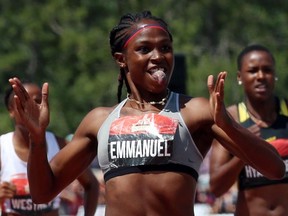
<point x="161" y="102"/>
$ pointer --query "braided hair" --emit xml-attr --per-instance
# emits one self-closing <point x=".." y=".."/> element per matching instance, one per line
<point x="119" y="35"/>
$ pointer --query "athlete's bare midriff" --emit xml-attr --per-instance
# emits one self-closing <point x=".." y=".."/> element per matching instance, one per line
<point x="145" y="190"/>
<point x="263" y="201"/>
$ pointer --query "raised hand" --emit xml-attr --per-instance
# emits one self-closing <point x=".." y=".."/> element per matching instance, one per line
<point x="34" y="116"/>
<point x="216" y="91"/>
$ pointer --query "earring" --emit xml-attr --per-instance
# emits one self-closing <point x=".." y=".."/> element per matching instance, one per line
<point x="276" y="78"/>
<point x="239" y="82"/>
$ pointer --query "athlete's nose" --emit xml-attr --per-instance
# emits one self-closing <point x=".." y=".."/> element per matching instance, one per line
<point x="156" y="55"/>
<point x="260" y="74"/>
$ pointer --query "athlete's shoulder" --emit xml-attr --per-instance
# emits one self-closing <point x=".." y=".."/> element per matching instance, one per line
<point x="100" y="112"/>
<point x="194" y="100"/>
<point x="283" y="102"/>
<point x="94" y="119"/>
<point x="286" y="101"/>
<point x="233" y="110"/>
<point x="196" y="111"/>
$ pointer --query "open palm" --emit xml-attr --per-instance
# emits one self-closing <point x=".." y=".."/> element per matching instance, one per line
<point x="216" y="91"/>
<point x="34" y="116"/>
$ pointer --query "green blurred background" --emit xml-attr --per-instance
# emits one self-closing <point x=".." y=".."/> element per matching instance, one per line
<point x="66" y="43"/>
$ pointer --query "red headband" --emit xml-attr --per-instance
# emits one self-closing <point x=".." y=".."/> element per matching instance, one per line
<point x="133" y="34"/>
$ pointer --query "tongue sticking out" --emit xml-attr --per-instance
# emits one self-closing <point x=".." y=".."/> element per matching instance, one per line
<point x="159" y="76"/>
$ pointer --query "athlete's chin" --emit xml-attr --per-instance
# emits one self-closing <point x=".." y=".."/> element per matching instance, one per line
<point x="160" y="88"/>
<point x="262" y="96"/>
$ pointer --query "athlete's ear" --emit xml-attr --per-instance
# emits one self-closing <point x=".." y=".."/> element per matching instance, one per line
<point x="11" y="114"/>
<point x="120" y="59"/>
<point x="239" y="78"/>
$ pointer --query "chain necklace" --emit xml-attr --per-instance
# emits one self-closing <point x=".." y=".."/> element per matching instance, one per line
<point x="161" y="102"/>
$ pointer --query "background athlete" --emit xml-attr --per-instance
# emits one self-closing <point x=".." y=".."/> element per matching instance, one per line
<point x="14" y="151"/>
<point x="265" y="115"/>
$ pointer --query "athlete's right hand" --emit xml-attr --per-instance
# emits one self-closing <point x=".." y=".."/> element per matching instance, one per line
<point x="7" y="190"/>
<point x="34" y="116"/>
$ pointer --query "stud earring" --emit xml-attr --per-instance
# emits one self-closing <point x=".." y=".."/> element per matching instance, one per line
<point x="276" y="78"/>
<point x="239" y="82"/>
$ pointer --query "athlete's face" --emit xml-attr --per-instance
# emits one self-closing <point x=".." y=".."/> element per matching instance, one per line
<point x="149" y="59"/>
<point x="34" y="92"/>
<point x="257" y="75"/>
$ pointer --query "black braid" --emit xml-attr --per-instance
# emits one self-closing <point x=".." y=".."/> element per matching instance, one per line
<point x="119" y="34"/>
<point x="119" y="92"/>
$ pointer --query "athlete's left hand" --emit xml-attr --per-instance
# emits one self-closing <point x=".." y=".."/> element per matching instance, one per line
<point x="216" y="91"/>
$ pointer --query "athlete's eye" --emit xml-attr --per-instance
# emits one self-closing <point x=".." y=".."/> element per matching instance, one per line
<point x="166" y="49"/>
<point x="37" y="99"/>
<point x="144" y="49"/>
<point x="268" y="70"/>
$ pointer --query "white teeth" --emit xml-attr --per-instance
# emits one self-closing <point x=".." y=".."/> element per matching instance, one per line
<point x="157" y="69"/>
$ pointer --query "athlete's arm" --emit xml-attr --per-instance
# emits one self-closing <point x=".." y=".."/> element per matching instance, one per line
<point x="252" y="149"/>
<point x="224" y="169"/>
<point x="70" y="161"/>
<point x="238" y="140"/>
<point x="65" y="166"/>
<point x="91" y="191"/>
<point x="90" y="185"/>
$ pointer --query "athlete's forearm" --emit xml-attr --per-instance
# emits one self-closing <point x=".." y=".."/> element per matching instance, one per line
<point x="91" y="201"/>
<point x="223" y="177"/>
<point x="39" y="173"/>
<point x="91" y="192"/>
<point x="252" y="149"/>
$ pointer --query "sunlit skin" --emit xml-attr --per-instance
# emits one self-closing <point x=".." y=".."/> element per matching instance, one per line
<point x="21" y="146"/>
<point x="257" y="75"/>
<point x="149" y="193"/>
